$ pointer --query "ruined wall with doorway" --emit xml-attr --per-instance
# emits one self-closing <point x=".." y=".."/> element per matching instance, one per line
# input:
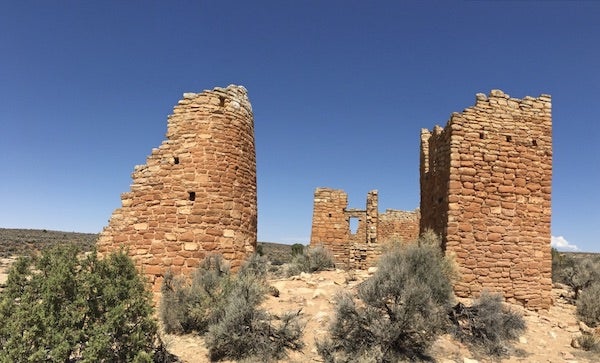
<point x="196" y="194"/>
<point x="361" y="249"/>
<point x="486" y="181"/>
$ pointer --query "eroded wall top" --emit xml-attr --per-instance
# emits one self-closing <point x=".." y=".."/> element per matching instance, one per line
<point x="196" y="194"/>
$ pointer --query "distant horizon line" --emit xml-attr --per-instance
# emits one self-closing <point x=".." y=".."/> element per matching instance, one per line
<point x="45" y="230"/>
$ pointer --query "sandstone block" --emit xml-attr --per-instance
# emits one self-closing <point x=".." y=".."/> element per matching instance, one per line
<point x="140" y="226"/>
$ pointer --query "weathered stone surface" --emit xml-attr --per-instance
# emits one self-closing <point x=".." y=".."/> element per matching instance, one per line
<point x="197" y="188"/>
<point x="486" y="188"/>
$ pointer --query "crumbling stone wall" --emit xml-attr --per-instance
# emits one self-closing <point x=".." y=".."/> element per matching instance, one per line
<point x="398" y="226"/>
<point x="196" y="194"/>
<point x="331" y="227"/>
<point x="486" y="189"/>
<point x="359" y="250"/>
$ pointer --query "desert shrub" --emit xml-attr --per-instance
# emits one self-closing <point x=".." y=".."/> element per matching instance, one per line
<point x="260" y="250"/>
<point x="589" y="342"/>
<point x="429" y="238"/>
<point x="580" y="274"/>
<point x="401" y="309"/>
<point x="58" y="307"/>
<point x="227" y="309"/>
<point x="319" y="259"/>
<point x="246" y="330"/>
<point x="188" y="306"/>
<point x="297" y="265"/>
<point x="588" y="305"/>
<point x="255" y="266"/>
<point x="560" y="263"/>
<point x="487" y="325"/>
<point x="314" y="259"/>
<point x="297" y="249"/>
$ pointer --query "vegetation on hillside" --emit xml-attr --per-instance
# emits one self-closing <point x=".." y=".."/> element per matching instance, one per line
<point x="582" y="275"/>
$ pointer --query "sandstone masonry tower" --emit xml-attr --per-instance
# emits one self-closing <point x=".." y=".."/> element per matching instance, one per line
<point x="486" y="183"/>
<point x="196" y="194"/>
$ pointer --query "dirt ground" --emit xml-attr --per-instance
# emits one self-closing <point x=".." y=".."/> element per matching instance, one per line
<point x="547" y="339"/>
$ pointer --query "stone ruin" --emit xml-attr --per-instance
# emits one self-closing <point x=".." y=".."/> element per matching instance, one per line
<point x="486" y="182"/>
<point x="196" y="194"/>
<point x="485" y="188"/>
<point x="358" y="250"/>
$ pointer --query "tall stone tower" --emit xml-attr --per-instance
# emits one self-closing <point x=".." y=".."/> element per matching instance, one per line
<point x="486" y="182"/>
<point x="196" y="194"/>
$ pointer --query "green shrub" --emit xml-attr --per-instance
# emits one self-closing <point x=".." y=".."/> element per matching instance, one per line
<point x="245" y="330"/>
<point x="402" y="309"/>
<point x="260" y="250"/>
<point x="59" y="308"/>
<point x="297" y="249"/>
<point x="560" y="263"/>
<point x="314" y="259"/>
<point x="227" y="309"/>
<point x="588" y="305"/>
<point x="319" y="259"/>
<point x="486" y="325"/>
<point x="188" y="306"/>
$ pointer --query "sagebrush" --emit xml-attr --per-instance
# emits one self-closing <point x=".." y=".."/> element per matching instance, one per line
<point x="59" y="307"/>
<point x="399" y="312"/>
<point x="588" y="305"/>
<point x="188" y="306"/>
<point x="226" y="308"/>
<point x="487" y="325"/>
<point x="311" y="260"/>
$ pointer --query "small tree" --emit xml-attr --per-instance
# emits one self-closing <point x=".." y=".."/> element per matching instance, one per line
<point x="58" y="308"/>
<point x="400" y="312"/>
<point x="297" y="249"/>
<point x="580" y="274"/>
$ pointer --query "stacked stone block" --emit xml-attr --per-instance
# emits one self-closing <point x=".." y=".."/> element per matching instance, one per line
<point x="486" y="189"/>
<point x="398" y="226"/>
<point x="196" y="194"/>
<point x="330" y="227"/>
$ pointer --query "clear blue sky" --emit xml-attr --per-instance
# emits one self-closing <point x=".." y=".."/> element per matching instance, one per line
<point x="340" y="91"/>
